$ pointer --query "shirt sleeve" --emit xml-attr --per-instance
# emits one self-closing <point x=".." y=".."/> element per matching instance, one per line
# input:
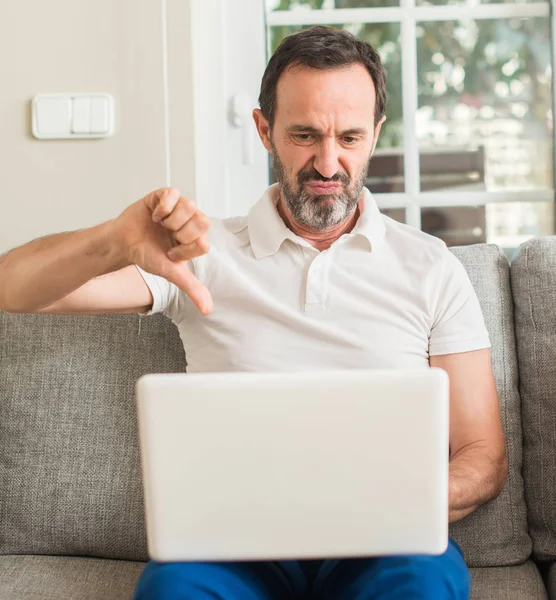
<point x="162" y="291"/>
<point x="168" y="298"/>
<point x="458" y="323"/>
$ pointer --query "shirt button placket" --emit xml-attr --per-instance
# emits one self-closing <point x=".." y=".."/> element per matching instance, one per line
<point x="315" y="297"/>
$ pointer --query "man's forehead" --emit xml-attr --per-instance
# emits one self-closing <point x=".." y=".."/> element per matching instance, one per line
<point x="304" y="93"/>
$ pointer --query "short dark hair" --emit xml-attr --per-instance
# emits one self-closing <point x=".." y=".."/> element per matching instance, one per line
<point x="321" y="47"/>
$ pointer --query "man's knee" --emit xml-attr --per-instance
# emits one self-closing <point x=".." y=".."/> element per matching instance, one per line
<point x="443" y="577"/>
<point x="165" y="581"/>
<point x="206" y="581"/>
<point x="428" y="577"/>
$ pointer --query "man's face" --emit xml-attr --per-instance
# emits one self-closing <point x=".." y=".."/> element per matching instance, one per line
<point x="322" y="140"/>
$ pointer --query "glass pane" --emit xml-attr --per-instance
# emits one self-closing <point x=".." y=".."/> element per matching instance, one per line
<point x="485" y="104"/>
<point x="461" y="170"/>
<point x="398" y="214"/>
<point x="509" y="224"/>
<point x="274" y="5"/>
<point x="456" y="225"/>
<point x="386" y="39"/>
<point x="385" y="174"/>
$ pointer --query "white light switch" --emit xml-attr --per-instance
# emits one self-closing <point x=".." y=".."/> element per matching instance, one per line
<point x="81" y="115"/>
<point x="66" y="116"/>
<point x="53" y="116"/>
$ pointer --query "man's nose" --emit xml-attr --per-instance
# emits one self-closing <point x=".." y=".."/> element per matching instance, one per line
<point x="326" y="160"/>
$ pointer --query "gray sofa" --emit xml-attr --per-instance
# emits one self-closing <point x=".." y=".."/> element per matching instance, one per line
<point x="71" y="512"/>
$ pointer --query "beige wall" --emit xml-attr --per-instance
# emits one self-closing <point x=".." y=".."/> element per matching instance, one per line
<point x="109" y="46"/>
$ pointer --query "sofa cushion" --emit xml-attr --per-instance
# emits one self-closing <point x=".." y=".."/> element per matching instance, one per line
<point x="534" y="290"/>
<point x="69" y="471"/>
<point x="496" y="533"/>
<point x="522" y="582"/>
<point x="70" y="479"/>
<point x="67" y="578"/>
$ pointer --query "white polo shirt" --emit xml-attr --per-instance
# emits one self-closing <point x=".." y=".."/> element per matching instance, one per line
<point x="383" y="296"/>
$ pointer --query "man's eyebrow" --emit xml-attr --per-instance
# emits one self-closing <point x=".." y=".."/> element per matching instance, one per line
<point x="304" y="128"/>
<point x="355" y="131"/>
<point x="311" y="129"/>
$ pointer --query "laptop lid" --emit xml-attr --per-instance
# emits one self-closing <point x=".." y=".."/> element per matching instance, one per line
<point x="249" y="466"/>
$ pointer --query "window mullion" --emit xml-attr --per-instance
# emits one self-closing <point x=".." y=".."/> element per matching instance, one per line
<point x="395" y="14"/>
<point x="412" y="176"/>
<point x="456" y="199"/>
<point x="333" y="16"/>
<point x="480" y="11"/>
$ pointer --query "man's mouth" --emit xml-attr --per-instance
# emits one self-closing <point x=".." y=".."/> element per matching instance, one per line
<point x="324" y="187"/>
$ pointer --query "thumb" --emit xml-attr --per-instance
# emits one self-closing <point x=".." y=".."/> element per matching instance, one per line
<point x="179" y="274"/>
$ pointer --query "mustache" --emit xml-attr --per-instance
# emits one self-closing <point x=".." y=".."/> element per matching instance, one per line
<point x="314" y="175"/>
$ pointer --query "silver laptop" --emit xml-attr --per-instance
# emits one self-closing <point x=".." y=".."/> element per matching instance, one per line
<point x="250" y="466"/>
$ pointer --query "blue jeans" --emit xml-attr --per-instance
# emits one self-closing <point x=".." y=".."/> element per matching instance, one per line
<point x="443" y="577"/>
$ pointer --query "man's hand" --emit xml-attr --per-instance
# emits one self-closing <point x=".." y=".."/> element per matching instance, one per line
<point x="160" y="233"/>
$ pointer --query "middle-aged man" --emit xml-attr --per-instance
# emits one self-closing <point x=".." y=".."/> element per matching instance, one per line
<point x="313" y="277"/>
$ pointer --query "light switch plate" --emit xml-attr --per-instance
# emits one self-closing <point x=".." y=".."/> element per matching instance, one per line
<point x="72" y="116"/>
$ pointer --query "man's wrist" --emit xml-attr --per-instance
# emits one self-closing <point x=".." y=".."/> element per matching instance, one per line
<point x="110" y="247"/>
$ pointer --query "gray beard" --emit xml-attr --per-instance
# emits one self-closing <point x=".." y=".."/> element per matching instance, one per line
<point x="317" y="212"/>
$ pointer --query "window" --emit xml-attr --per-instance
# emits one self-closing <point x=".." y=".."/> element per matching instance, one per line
<point x="466" y="151"/>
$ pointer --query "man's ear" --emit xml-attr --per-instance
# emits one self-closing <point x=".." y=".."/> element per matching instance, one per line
<point x="377" y="131"/>
<point x="263" y="128"/>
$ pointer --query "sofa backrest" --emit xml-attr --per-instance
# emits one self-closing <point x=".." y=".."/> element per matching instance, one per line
<point x="70" y="480"/>
<point x="534" y="291"/>
<point x="496" y="533"/>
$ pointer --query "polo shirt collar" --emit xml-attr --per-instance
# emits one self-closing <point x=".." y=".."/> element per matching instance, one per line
<point x="267" y="230"/>
<point x="370" y="223"/>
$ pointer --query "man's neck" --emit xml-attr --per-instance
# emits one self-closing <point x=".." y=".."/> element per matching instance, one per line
<point x="321" y="240"/>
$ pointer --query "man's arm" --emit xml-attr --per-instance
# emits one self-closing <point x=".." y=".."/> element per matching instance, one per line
<point x="78" y="272"/>
<point x="478" y="462"/>
<point x="92" y="271"/>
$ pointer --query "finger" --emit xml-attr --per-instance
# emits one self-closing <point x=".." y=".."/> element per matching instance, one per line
<point x="193" y="229"/>
<point x="162" y="202"/>
<point x="180" y="275"/>
<point x="188" y="251"/>
<point x="184" y="211"/>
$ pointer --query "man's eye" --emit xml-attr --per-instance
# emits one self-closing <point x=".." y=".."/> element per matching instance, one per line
<point x="304" y="137"/>
<point x="350" y="139"/>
